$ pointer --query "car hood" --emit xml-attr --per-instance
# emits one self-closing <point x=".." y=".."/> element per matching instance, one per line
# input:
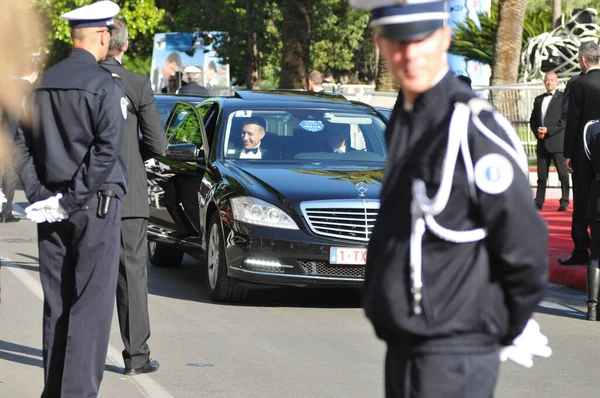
<point x="302" y="182"/>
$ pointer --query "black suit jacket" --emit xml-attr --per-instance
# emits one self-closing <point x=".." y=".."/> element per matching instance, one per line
<point x="193" y="89"/>
<point x="553" y="142"/>
<point x="584" y="105"/>
<point x="142" y="118"/>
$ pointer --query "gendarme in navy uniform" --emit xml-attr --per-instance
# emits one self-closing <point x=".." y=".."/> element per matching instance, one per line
<point x="70" y="165"/>
<point x="457" y="261"/>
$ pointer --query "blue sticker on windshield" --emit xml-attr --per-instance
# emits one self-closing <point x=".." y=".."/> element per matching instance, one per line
<point x="312" y="125"/>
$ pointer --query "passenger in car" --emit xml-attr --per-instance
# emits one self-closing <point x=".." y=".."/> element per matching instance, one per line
<point x="253" y="131"/>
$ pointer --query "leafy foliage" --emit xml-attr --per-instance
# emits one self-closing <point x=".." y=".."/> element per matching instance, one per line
<point x="476" y="43"/>
<point x="142" y="17"/>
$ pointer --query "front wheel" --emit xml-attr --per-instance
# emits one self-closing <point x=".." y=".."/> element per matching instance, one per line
<point x="220" y="286"/>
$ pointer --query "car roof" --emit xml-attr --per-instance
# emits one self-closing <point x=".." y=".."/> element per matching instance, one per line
<point x="292" y="99"/>
<point x="176" y="97"/>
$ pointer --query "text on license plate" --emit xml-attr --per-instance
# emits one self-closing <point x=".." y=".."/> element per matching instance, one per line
<point x="348" y="255"/>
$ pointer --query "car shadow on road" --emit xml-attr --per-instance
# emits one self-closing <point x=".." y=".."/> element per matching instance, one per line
<point x="18" y="353"/>
<point x="29" y="266"/>
<point x="561" y="311"/>
<point x="187" y="282"/>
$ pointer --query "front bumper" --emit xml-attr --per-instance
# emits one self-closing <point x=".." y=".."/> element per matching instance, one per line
<point x="287" y="258"/>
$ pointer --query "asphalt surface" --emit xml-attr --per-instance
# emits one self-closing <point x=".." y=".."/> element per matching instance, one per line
<point x="281" y="343"/>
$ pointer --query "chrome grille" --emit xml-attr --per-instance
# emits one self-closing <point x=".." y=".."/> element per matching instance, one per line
<point x="323" y="268"/>
<point x="345" y="219"/>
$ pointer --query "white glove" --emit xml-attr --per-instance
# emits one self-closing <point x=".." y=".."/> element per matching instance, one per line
<point x="531" y="342"/>
<point x="2" y="199"/>
<point x="48" y="210"/>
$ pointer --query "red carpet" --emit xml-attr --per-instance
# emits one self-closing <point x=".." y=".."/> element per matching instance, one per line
<point x="560" y="245"/>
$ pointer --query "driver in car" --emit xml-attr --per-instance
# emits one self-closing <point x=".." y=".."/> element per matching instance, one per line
<point x="336" y="138"/>
<point x="253" y="131"/>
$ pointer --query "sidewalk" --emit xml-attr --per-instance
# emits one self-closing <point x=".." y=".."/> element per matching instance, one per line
<point x="21" y="367"/>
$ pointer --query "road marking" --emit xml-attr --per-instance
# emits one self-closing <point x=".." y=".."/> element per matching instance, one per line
<point x="144" y="383"/>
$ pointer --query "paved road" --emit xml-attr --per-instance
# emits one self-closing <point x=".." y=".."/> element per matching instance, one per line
<point x="282" y="343"/>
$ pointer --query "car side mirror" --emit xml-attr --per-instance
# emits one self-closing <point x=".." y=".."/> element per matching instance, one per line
<point x="184" y="152"/>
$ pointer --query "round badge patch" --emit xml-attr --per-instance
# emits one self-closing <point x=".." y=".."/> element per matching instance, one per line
<point x="124" y="107"/>
<point x="493" y="174"/>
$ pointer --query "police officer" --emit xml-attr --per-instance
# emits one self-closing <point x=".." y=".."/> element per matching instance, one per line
<point x="132" y="286"/>
<point x="72" y="173"/>
<point x="592" y="151"/>
<point x="457" y="260"/>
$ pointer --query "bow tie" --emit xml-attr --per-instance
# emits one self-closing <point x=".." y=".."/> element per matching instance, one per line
<point x="253" y="150"/>
<point x="547" y="94"/>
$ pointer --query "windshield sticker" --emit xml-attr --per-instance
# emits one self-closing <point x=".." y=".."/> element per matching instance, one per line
<point x="243" y="113"/>
<point x="231" y="151"/>
<point x="312" y="125"/>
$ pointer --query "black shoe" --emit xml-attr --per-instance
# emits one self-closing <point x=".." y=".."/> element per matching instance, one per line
<point x="151" y="366"/>
<point x="575" y="259"/>
<point x="562" y="208"/>
<point x="538" y="205"/>
<point x="11" y="218"/>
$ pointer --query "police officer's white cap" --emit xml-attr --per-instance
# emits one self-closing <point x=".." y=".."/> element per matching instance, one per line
<point x="192" y="69"/>
<point x="404" y="20"/>
<point x="98" y="14"/>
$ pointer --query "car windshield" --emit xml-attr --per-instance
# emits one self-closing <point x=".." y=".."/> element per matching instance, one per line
<point x="304" y="134"/>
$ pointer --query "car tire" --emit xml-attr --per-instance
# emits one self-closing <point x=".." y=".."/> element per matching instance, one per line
<point x="219" y="285"/>
<point x="161" y="255"/>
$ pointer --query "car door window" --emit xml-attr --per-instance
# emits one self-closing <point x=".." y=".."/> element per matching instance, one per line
<point x="185" y="126"/>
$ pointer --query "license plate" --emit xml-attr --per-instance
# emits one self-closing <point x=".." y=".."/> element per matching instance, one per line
<point x="348" y="255"/>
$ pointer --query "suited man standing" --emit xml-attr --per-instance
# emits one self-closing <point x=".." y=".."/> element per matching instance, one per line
<point x="549" y="128"/>
<point x="584" y="97"/>
<point x="132" y="287"/>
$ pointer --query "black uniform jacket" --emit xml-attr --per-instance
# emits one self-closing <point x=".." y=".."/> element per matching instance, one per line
<point x="553" y="142"/>
<point x="142" y="118"/>
<point x="584" y="105"/>
<point x="475" y="295"/>
<point x="74" y="142"/>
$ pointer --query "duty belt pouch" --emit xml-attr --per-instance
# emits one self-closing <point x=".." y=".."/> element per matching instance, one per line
<point x="105" y="197"/>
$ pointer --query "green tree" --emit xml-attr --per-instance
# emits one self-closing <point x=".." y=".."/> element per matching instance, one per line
<point x="142" y="17"/>
<point x="477" y="43"/>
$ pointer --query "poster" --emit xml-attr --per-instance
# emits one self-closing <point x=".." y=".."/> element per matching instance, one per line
<point x="173" y="52"/>
<point x="459" y="11"/>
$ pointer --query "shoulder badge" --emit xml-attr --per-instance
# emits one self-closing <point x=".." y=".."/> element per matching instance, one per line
<point x="124" y="107"/>
<point x="493" y="173"/>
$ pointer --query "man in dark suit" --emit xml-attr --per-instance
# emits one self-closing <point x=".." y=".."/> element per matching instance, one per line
<point x="194" y="75"/>
<point x="336" y="138"/>
<point x="584" y="97"/>
<point x="549" y="128"/>
<point x="132" y="287"/>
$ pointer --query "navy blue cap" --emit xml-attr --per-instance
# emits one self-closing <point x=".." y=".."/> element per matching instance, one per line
<point x="404" y="20"/>
<point x="95" y="15"/>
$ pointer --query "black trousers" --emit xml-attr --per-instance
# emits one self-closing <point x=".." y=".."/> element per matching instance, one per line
<point x="79" y="260"/>
<point x="543" y="165"/>
<point x="594" y="219"/>
<point x="437" y="376"/>
<point x="9" y="185"/>
<point x="132" y="292"/>
<point x="582" y="179"/>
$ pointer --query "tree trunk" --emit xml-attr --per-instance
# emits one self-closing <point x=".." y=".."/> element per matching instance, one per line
<point x="385" y="79"/>
<point x="507" y="55"/>
<point x="252" y="68"/>
<point x="295" y="37"/>
<point x="556" y="13"/>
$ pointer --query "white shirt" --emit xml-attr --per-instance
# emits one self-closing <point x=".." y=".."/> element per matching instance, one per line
<point x="244" y="154"/>
<point x="545" y="102"/>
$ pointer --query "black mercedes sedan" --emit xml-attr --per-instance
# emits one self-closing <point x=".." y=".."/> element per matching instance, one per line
<point x="269" y="188"/>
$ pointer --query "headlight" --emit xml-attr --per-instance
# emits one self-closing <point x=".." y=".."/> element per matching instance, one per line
<point x="258" y="212"/>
